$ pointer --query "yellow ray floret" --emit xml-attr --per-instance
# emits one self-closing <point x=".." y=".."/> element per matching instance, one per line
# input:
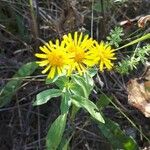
<point x="54" y="58"/>
<point x="78" y="47"/>
<point x="103" y="55"/>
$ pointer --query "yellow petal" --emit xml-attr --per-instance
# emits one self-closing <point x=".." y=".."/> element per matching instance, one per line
<point x="82" y="67"/>
<point x="44" y="49"/>
<point x="75" y="38"/>
<point x="80" y="38"/>
<point x="59" y="70"/>
<point x="41" y="55"/>
<point x="108" y="65"/>
<point x="70" y="70"/>
<point x="51" y="44"/>
<point x="62" y="44"/>
<point x="113" y="58"/>
<point x="84" y="42"/>
<point x="49" y="47"/>
<point x="90" y="63"/>
<point x="70" y="37"/>
<point x="43" y="63"/>
<point x="52" y="72"/>
<point x="79" y="69"/>
<point x="57" y="43"/>
<point x="109" y="48"/>
<point x="46" y="69"/>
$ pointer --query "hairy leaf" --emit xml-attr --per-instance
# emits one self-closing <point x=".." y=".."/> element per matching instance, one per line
<point x="55" y="132"/>
<point x="117" y="138"/>
<point x="80" y="101"/>
<point x="44" y="96"/>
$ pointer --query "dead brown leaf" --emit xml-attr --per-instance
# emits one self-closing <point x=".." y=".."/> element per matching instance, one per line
<point x="143" y="20"/>
<point x="146" y="74"/>
<point x="139" y="96"/>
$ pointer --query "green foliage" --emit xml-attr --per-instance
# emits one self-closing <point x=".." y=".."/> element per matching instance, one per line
<point x="81" y="86"/>
<point x="13" y="21"/>
<point x="105" y="5"/>
<point x="13" y="85"/>
<point x="89" y="106"/>
<point x="55" y="132"/>
<point x="140" y="55"/>
<point x="64" y="145"/>
<point x="102" y="102"/>
<point x="111" y="130"/>
<point x="49" y="81"/>
<point x="117" y="138"/>
<point x="75" y="91"/>
<point x="101" y="6"/>
<point x="46" y="95"/>
<point x="24" y="35"/>
<point x="115" y="36"/>
<point x="65" y="102"/>
<point x="143" y="53"/>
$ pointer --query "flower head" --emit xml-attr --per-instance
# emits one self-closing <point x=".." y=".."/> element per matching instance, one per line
<point x="78" y="47"/>
<point x="103" y="54"/>
<point x="54" y="58"/>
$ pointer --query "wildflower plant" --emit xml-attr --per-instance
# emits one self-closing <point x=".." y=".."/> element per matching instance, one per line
<point x="68" y="64"/>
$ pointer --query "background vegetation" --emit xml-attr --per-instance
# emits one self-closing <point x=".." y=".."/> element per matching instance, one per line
<point x="24" y="26"/>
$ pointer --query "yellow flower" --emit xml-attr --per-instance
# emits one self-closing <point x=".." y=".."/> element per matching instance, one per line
<point x="78" y="48"/>
<point x="103" y="54"/>
<point x="54" y="58"/>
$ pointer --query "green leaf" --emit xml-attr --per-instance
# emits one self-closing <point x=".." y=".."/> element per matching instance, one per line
<point x="77" y="90"/>
<point x="22" y="30"/>
<point x="89" y="80"/>
<point x="85" y="103"/>
<point x="57" y="78"/>
<point x="44" y="96"/>
<point x="115" y="35"/>
<point x="65" y="103"/>
<point x="49" y="81"/>
<point x="117" y="138"/>
<point x="92" y="71"/>
<point x="99" y="6"/>
<point x="82" y="85"/>
<point x="74" y="110"/>
<point x="103" y="101"/>
<point x="62" y="82"/>
<point x="64" y="145"/>
<point x="12" y="86"/>
<point x="55" y="132"/>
